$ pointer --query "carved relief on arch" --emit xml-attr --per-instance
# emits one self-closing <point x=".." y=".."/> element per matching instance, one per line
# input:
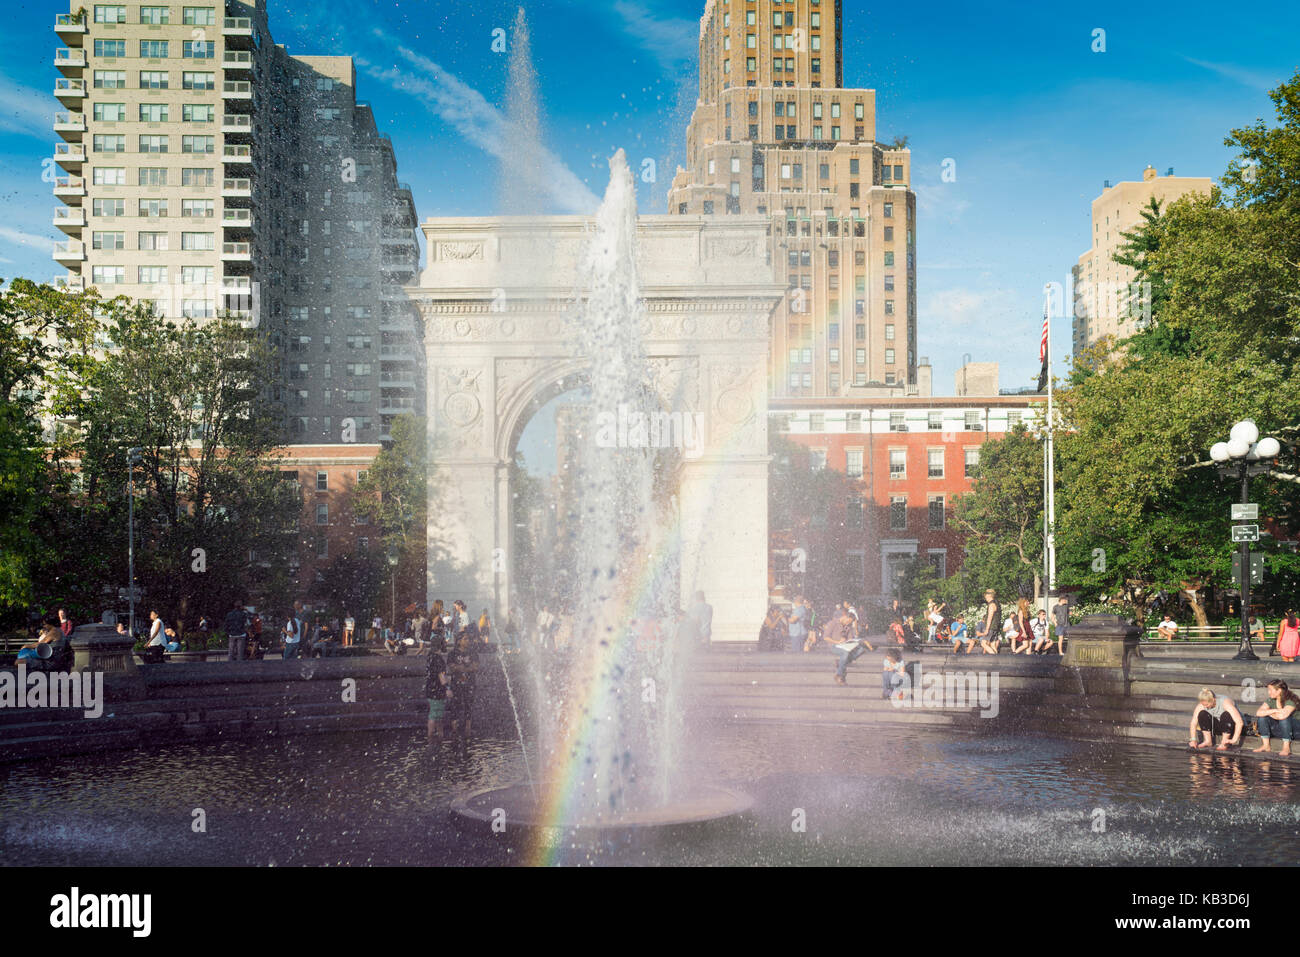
<point x="459" y="423"/>
<point x="734" y="405"/>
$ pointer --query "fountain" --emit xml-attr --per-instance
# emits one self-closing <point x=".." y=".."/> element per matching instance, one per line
<point x="610" y="722"/>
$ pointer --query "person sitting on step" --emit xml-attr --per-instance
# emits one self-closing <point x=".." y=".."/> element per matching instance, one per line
<point x="1277" y="717"/>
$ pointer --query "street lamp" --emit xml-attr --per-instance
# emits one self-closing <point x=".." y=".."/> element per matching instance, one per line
<point x="133" y="458"/>
<point x="1244" y="455"/>
<point x="393" y="559"/>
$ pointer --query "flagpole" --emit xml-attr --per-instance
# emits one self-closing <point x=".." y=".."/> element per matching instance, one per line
<point x="1051" y="462"/>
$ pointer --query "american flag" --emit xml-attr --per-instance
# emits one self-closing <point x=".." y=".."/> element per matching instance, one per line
<point x="1042" y="354"/>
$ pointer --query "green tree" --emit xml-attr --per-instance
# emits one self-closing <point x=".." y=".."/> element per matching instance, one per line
<point x="393" y="496"/>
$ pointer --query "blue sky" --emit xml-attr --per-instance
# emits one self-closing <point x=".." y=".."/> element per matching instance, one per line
<point x="1011" y="92"/>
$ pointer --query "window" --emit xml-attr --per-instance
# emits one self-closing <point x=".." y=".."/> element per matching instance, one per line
<point x="860" y="356"/>
<point x="108" y="207"/>
<point x="112" y="48"/>
<point x="322" y="513"/>
<point x="151" y="241"/>
<point x="199" y="49"/>
<point x="202" y="208"/>
<point x="152" y="207"/>
<point x="972" y="421"/>
<point x="108" y="240"/>
<point x="358" y="368"/>
<point x="110" y="13"/>
<point x="1013" y="419"/>
<point x="158" y="16"/>
<point x="198" y="81"/>
<point x="110" y="79"/>
<point x="153" y="79"/>
<point x="934" y="421"/>
<point x="897" y="463"/>
<point x="817" y="459"/>
<point x="853" y="463"/>
<point x="889" y="333"/>
<point x="152" y="176"/>
<point x="972" y="457"/>
<point x="853" y="422"/>
<point x="934" y="462"/>
<point x="108" y="143"/>
<point x="197" y="177"/>
<point x="153" y="112"/>
<point x="197" y="241"/>
<point x="107" y="275"/>
<point x="938" y="558"/>
<point x="853" y="512"/>
<point x="149" y="275"/>
<point x="198" y="144"/>
<point x="197" y="275"/>
<point x="860" y="331"/>
<point x="153" y="49"/>
<point x="889" y="357"/>
<point x="897" y="513"/>
<point x="889" y="257"/>
<point x="198" y="113"/>
<point x="199" y="16"/>
<point x="322" y="481"/>
<point x="888" y="212"/>
<point x="109" y="112"/>
<point x="109" y="176"/>
<point x="936" y="511"/>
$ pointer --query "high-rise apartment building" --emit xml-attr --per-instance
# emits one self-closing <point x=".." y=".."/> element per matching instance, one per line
<point x="775" y="133"/>
<point x="1106" y="303"/>
<point x="205" y="169"/>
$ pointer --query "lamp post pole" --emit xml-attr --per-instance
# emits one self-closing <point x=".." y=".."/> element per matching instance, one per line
<point x="133" y="457"/>
<point x="1246" y="452"/>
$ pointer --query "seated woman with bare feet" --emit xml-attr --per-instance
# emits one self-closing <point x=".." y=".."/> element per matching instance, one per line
<point x="1216" y="717"/>
<point x="1277" y="717"/>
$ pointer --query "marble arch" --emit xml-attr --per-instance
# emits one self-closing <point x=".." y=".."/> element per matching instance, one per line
<point x="496" y="299"/>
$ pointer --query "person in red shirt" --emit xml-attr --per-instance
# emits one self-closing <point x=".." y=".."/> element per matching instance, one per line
<point x="896" y="634"/>
<point x="65" y="623"/>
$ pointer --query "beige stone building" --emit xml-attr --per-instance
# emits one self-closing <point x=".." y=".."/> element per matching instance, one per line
<point x="1105" y="301"/>
<point x="774" y="133"/>
<point x="204" y="169"/>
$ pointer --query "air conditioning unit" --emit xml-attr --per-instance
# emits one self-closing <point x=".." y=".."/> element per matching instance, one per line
<point x="977" y="427"/>
<point x="898" y="428"/>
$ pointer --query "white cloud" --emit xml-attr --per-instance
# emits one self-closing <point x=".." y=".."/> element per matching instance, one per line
<point x="1250" y="78"/>
<point x="672" y="41"/>
<point x="939" y="202"/>
<point x="16" y="237"/>
<point x="24" y="110"/>
<point x="482" y="124"/>
<point x="989" y="309"/>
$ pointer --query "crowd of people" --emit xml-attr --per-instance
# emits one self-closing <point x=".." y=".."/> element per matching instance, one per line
<point x="846" y="631"/>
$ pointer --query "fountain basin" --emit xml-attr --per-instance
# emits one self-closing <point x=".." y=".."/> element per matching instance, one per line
<point x="703" y="804"/>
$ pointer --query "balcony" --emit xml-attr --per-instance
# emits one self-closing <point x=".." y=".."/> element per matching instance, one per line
<point x="236" y="123"/>
<point x="237" y="60"/>
<point x="237" y="219"/>
<point x="70" y="28"/>
<point x="405" y="378"/>
<point x="70" y="125"/>
<point x="70" y="219"/>
<point x="237" y="154"/>
<point x="239" y="286"/>
<point x="237" y="90"/>
<point x="238" y="27"/>
<point x="237" y="188"/>
<point x="237" y="252"/>
<point x="72" y="282"/>
<point x="70" y="62"/>
<point x="69" y="92"/>
<point x="74" y="250"/>
<point x="69" y="155"/>
<point x="398" y="405"/>
<point x="69" y="187"/>
<point x="240" y="315"/>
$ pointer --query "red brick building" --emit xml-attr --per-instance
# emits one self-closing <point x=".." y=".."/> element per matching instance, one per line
<point x="906" y="460"/>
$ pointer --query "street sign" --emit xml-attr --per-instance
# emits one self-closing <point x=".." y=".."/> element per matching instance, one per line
<point x="1245" y="533"/>
<point x="1245" y="513"/>
<point x="1256" y="569"/>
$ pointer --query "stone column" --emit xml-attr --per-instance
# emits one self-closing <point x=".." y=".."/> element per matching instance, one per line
<point x="1098" y="651"/>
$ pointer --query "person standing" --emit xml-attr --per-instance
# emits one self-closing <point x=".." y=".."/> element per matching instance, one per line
<point x="1288" y="637"/>
<point x="205" y="632"/>
<point x="155" y="630"/>
<point x="65" y="623"/>
<point x="255" y="636"/>
<point x="1061" y="616"/>
<point x="292" y="632"/>
<point x="237" y="633"/>
<point x="349" y="629"/>
<point x="702" y="617"/>
<point x="435" y="689"/>
<point x="798" y="624"/>
<point x="990" y="631"/>
<point x="462" y="666"/>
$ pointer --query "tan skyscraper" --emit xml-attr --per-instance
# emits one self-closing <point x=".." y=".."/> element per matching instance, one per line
<point x="775" y="134"/>
<point x="204" y="169"/>
<point x="1105" y="302"/>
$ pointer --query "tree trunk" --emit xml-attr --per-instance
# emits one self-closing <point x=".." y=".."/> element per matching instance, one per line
<point x="1198" y="606"/>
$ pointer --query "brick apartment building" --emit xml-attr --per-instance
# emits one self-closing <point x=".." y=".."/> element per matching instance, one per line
<point x="907" y="460"/>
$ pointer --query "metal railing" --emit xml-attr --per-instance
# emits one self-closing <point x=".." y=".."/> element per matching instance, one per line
<point x="235" y="184"/>
<point x="241" y="120"/>
<point x="237" y="86"/>
<point x="242" y="153"/>
<point x="236" y="249"/>
<point x="69" y="182"/>
<point x="64" y="85"/>
<point x="237" y="23"/>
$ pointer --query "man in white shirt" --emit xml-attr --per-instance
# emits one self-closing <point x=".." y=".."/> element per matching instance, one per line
<point x="292" y="632"/>
<point x="1168" y="628"/>
<point x="155" y="629"/>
